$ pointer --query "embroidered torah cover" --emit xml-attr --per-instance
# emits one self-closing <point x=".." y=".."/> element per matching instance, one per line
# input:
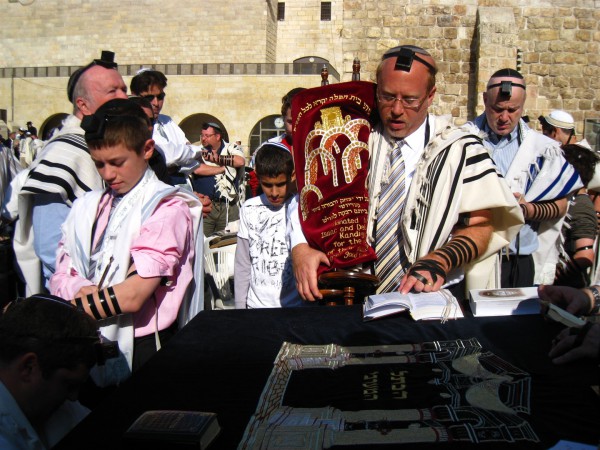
<point x="331" y="131"/>
<point x="393" y="396"/>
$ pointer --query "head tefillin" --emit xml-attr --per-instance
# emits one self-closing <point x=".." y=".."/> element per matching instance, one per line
<point x="405" y="56"/>
<point x="506" y="85"/>
<point x="94" y="126"/>
<point x="107" y="60"/>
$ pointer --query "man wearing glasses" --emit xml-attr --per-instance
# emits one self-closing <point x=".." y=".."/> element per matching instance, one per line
<point x="62" y="173"/>
<point x="219" y="178"/>
<point x="436" y="200"/>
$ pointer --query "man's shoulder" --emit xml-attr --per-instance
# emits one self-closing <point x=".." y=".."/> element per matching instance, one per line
<point x="447" y="132"/>
<point x="231" y="149"/>
<point x="164" y="119"/>
<point x="541" y="139"/>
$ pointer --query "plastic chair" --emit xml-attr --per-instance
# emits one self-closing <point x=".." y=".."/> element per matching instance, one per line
<point x="219" y="256"/>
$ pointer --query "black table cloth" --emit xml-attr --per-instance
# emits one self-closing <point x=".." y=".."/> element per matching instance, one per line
<point x="221" y="360"/>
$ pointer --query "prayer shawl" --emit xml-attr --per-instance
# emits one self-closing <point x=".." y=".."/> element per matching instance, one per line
<point x="123" y="228"/>
<point x="228" y="183"/>
<point x="541" y="173"/>
<point x="64" y="167"/>
<point x="454" y="175"/>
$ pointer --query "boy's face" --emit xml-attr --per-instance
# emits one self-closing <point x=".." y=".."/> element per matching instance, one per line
<point x="120" y="167"/>
<point x="277" y="189"/>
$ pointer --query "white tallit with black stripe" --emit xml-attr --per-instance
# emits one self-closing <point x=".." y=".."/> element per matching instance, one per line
<point x="64" y="167"/>
<point x="228" y="183"/>
<point x="454" y="175"/>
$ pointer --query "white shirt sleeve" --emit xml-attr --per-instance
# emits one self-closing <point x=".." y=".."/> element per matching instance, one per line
<point x="294" y="229"/>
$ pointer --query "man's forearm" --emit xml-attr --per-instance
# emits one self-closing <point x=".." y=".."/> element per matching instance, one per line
<point x="205" y="170"/>
<point x="542" y="211"/>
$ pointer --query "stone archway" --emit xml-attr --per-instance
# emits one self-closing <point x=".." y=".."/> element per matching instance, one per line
<point x="51" y="125"/>
<point x="192" y="126"/>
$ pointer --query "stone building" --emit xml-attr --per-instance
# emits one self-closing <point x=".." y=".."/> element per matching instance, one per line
<point x="233" y="61"/>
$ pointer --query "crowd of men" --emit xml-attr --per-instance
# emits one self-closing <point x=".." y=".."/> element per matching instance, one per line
<point x="504" y="196"/>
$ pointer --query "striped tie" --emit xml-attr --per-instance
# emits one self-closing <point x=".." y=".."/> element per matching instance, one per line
<point x="389" y="243"/>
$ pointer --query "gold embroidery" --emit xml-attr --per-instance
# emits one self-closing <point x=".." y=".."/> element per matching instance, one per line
<point x="330" y="129"/>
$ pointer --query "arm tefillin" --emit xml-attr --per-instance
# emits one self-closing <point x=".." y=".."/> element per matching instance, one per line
<point x="99" y="303"/>
<point x="540" y="211"/>
<point x="458" y="251"/>
<point x="427" y="265"/>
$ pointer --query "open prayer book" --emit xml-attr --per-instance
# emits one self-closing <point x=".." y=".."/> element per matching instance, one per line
<point x="440" y="305"/>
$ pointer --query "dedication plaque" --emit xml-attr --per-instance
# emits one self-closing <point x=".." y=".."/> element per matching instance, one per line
<point x="331" y="154"/>
<point x="434" y="393"/>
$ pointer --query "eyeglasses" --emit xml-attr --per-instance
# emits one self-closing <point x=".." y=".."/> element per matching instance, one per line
<point x="411" y="103"/>
<point x="207" y="135"/>
<point x="151" y="97"/>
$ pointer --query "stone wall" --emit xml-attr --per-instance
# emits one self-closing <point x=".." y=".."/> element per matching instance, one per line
<point x="70" y="32"/>
<point x="303" y="33"/>
<point x="557" y="44"/>
<point x="554" y="44"/>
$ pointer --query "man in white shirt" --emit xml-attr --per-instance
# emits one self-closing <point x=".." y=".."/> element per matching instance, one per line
<point x="169" y="138"/>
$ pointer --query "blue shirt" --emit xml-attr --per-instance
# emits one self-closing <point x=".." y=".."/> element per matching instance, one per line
<point x="49" y="213"/>
<point x="503" y="150"/>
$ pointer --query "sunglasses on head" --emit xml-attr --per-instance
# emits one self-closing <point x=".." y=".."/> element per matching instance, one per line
<point x="151" y="97"/>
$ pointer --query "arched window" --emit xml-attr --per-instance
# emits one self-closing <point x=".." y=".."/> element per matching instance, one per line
<point x="192" y="126"/>
<point x="266" y="128"/>
<point x="51" y="125"/>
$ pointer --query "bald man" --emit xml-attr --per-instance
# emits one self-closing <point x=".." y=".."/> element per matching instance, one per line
<point x="63" y="172"/>
<point x="537" y="174"/>
<point x="456" y="208"/>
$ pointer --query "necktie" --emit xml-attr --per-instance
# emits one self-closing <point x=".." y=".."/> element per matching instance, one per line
<point x="389" y="243"/>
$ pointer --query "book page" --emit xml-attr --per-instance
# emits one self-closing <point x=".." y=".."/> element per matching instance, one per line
<point x="385" y="304"/>
<point x="440" y="305"/>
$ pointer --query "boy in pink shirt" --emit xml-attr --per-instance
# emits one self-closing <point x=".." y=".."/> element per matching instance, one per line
<point x="126" y="256"/>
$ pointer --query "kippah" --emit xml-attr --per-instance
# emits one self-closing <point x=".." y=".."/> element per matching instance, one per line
<point x="107" y="60"/>
<point x="279" y="145"/>
<point x="214" y="125"/>
<point x="560" y="119"/>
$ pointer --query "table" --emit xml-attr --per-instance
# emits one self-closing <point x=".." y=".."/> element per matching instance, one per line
<point x="221" y="360"/>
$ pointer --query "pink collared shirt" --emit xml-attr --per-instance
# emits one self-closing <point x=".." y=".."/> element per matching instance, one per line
<point x="164" y="248"/>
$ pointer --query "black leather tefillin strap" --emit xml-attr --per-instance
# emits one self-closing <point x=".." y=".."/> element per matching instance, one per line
<point x="427" y="265"/>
